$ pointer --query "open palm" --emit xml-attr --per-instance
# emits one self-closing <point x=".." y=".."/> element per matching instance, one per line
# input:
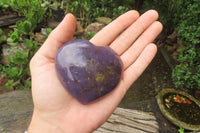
<point x="55" y="110"/>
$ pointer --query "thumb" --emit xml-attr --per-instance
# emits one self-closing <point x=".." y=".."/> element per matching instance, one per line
<point x="62" y="33"/>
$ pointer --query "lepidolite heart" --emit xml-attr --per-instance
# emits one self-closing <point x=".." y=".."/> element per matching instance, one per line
<point x="87" y="71"/>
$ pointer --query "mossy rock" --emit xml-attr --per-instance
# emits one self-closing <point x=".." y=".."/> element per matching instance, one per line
<point x="104" y="20"/>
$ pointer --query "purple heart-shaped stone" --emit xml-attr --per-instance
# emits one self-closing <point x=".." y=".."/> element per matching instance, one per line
<point x="87" y="71"/>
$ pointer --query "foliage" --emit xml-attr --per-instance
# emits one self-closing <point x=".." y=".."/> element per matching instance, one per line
<point x="168" y="11"/>
<point x="119" y="10"/>
<point x="2" y="36"/>
<point x="86" y="11"/>
<point x="90" y="35"/>
<point x="29" y="8"/>
<point x="33" y="12"/>
<point x="4" y="3"/>
<point x="14" y="37"/>
<point x="187" y="72"/>
<point x="181" y="130"/>
<point x="18" y="69"/>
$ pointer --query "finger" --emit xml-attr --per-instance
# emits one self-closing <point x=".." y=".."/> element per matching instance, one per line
<point x="126" y="39"/>
<point x="109" y="33"/>
<point x="129" y="76"/>
<point x="62" y="33"/>
<point x="137" y="68"/>
<point x="135" y="50"/>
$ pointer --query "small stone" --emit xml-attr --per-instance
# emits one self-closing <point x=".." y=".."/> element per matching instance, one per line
<point x="52" y="23"/>
<point x="94" y="27"/>
<point x="39" y="37"/>
<point x="104" y="20"/>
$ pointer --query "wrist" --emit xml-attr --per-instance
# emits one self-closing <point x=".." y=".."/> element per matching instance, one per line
<point x="41" y="125"/>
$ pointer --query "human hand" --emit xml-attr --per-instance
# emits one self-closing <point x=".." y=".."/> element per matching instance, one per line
<point x="55" y="110"/>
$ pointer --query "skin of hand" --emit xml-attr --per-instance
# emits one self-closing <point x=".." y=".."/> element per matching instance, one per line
<point x="55" y="110"/>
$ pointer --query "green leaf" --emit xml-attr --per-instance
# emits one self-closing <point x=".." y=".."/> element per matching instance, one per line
<point x="8" y="84"/>
<point x="28" y="43"/>
<point x="181" y="130"/>
<point x="3" y="38"/>
<point x="10" y="59"/>
<point x="48" y="31"/>
<point x="27" y="26"/>
<point x="13" y="73"/>
<point x="3" y="75"/>
<point x="20" y="58"/>
<point x="27" y="84"/>
<point x="11" y="42"/>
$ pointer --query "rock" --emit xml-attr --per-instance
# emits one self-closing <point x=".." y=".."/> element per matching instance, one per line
<point x="16" y="111"/>
<point x="7" y="20"/>
<point x="39" y="38"/>
<point x="8" y="50"/>
<point x="129" y="121"/>
<point x="94" y="27"/>
<point x="79" y="29"/>
<point x="104" y="20"/>
<point x="52" y="23"/>
<point x="56" y="18"/>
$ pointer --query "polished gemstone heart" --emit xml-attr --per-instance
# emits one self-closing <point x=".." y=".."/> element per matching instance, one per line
<point x="88" y="72"/>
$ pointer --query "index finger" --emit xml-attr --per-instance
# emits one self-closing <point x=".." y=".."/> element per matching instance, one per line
<point x="111" y="31"/>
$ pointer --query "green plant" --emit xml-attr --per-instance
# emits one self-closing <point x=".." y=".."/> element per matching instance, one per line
<point x="30" y="8"/>
<point x="181" y="130"/>
<point x="4" y="3"/>
<point x="14" y="37"/>
<point x="168" y="11"/>
<point x="2" y="36"/>
<point x="86" y="11"/>
<point x="34" y="12"/>
<point x="120" y="10"/>
<point x="187" y="72"/>
<point x="81" y="10"/>
<point x="18" y="69"/>
<point x="90" y="35"/>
